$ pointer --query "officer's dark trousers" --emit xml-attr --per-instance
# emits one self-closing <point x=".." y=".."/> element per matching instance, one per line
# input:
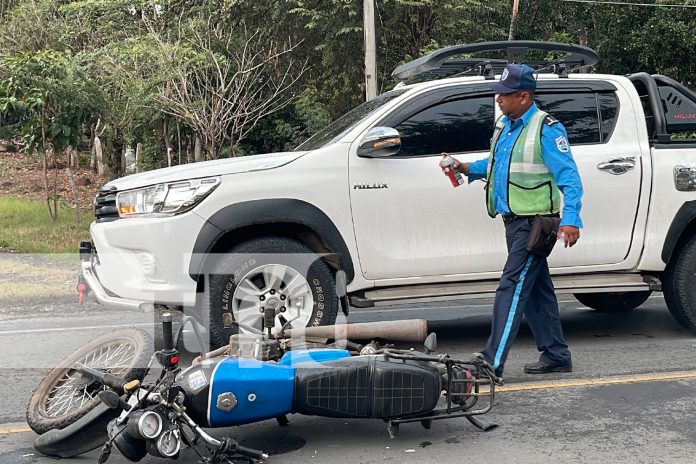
<point x="525" y="288"/>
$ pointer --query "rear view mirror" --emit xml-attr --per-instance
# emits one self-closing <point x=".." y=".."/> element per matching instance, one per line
<point x="431" y="343"/>
<point x="380" y="142"/>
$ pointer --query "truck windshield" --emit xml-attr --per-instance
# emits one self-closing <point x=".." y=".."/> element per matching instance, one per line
<point x="345" y="123"/>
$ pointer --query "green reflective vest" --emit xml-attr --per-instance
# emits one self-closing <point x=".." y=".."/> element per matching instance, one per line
<point x="531" y="188"/>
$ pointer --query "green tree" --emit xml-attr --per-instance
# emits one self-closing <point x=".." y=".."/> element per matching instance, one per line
<point x="49" y="98"/>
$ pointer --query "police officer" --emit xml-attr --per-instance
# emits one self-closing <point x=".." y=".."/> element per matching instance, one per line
<point x="529" y="163"/>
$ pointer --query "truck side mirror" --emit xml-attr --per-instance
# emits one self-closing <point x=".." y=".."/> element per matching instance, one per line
<point x="380" y="142"/>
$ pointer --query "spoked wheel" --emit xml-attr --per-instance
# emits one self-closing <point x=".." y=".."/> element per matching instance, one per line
<point x="65" y="395"/>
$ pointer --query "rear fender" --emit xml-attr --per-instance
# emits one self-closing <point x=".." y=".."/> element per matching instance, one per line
<point x="683" y="227"/>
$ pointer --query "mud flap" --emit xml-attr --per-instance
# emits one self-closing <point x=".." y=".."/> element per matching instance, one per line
<point x="84" y="435"/>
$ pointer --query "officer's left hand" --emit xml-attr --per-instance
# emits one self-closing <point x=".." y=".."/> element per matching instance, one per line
<point x="571" y="234"/>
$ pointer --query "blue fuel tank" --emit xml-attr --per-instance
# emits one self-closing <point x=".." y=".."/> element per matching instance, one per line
<point x="247" y="390"/>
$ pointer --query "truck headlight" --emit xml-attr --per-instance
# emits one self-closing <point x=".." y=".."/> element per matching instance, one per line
<point x="164" y="199"/>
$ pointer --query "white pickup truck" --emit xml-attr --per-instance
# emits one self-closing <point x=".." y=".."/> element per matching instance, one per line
<point x="362" y="213"/>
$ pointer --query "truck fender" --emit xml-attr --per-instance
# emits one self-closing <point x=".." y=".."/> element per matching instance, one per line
<point x="258" y="214"/>
<point x="683" y="225"/>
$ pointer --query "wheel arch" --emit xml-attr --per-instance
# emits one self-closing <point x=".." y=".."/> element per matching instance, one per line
<point x="284" y="217"/>
<point x="682" y="228"/>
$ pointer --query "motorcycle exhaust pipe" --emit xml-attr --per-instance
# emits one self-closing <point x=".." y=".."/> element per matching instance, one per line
<point x="413" y="330"/>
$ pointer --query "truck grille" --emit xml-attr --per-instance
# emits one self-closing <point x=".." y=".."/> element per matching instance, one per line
<point x="105" y="206"/>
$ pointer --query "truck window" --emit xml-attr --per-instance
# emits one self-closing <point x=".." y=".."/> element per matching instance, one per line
<point x="453" y="126"/>
<point x="337" y="129"/>
<point x="589" y="117"/>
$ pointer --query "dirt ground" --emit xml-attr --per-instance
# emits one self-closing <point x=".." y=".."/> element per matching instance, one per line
<point x="21" y="176"/>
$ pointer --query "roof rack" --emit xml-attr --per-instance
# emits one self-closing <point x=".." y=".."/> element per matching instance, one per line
<point x="441" y="63"/>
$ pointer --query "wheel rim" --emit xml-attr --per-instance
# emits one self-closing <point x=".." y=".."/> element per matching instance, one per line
<point x="72" y="392"/>
<point x="274" y="286"/>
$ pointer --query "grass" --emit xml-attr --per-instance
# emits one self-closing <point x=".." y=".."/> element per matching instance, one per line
<point x="26" y="228"/>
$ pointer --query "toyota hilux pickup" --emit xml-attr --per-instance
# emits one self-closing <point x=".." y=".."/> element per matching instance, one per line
<point x="361" y="214"/>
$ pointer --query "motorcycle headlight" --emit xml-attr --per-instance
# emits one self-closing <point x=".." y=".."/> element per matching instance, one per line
<point x="164" y="199"/>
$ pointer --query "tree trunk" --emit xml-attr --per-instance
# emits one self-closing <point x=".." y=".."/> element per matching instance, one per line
<point x="167" y="143"/>
<point x="178" y="139"/>
<point x="92" y="150"/>
<point x="99" y="154"/>
<point x="188" y="150"/>
<point x="138" y="155"/>
<point x="73" y="188"/>
<point x="51" y="212"/>
<point x="198" y="150"/>
<point x="211" y="149"/>
<point x="513" y="19"/>
<point x="117" y="155"/>
<point x="582" y="36"/>
<point x="75" y="158"/>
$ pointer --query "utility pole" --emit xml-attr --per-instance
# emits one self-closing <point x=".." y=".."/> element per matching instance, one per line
<point x="513" y="21"/>
<point x="370" y="50"/>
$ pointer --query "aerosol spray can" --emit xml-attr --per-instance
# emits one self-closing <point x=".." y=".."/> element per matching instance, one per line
<point x="454" y="176"/>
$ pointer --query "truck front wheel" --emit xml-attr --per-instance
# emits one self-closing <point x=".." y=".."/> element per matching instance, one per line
<point x="679" y="285"/>
<point x="275" y="274"/>
<point x="613" y="302"/>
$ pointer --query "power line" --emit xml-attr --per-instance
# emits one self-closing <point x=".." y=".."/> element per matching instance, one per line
<point x="606" y="2"/>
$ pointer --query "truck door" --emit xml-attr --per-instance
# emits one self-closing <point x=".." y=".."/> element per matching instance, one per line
<point x="606" y="149"/>
<point x="416" y="224"/>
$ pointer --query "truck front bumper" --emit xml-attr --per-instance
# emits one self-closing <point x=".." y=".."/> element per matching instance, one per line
<point x="89" y="277"/>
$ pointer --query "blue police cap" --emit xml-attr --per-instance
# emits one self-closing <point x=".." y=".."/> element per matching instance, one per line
<point x="515" y="77"/>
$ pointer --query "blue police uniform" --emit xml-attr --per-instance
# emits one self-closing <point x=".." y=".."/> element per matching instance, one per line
<point x="525" y="285"/>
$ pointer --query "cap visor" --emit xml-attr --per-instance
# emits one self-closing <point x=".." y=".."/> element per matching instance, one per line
<point x="500" y="88"/>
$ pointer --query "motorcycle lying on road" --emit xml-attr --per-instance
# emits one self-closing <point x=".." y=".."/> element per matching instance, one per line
<point x="86" y="403"/>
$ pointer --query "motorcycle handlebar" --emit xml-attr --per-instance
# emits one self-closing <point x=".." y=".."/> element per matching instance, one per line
<point x="167" y="335"/>
<point x="107" y="379"/>
<point x="251" y="452"/>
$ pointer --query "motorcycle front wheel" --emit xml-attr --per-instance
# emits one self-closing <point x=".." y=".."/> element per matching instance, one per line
<point x="65" y="395"/>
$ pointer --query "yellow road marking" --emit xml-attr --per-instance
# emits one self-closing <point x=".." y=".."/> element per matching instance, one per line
<point x="557" y="384"/>
<point x="619" y="379"/>
<point x="15" y="429"/>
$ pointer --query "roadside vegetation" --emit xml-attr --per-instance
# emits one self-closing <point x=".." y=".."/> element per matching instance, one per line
<point x="25" y="227"/>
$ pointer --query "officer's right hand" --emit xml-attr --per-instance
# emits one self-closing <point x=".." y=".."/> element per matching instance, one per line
<point x="459" y="166"/>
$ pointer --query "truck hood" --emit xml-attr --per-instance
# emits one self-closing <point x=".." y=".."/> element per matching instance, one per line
<point x="204" y="169"/>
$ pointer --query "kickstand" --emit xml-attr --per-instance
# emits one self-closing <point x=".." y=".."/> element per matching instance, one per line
<point x="480" y="425"/>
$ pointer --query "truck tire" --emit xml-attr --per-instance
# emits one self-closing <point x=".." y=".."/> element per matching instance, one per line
<point x="275" y="271"/>
<point x="613" y="302"/>
<point x="679" y="285"/>
<point x="64" y="396"/>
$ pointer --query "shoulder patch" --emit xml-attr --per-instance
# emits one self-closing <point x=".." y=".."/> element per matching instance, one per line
<point x="562" y="144"/>
<point x="550" y="120"/>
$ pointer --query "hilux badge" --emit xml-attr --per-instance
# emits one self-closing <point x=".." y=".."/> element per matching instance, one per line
<point x="373" y="185"/>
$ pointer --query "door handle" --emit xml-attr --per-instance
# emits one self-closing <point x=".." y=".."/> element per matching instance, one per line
<point x="618" y="166"/>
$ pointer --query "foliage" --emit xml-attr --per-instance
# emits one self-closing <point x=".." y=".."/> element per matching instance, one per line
<point x="134" y="58"/>
<point x="48" y="96"/>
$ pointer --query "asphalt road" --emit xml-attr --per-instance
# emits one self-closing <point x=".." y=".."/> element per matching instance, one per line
<point x="630" y="397"/>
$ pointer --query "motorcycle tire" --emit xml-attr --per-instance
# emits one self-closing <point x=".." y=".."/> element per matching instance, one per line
<point x="64" y="395"/>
